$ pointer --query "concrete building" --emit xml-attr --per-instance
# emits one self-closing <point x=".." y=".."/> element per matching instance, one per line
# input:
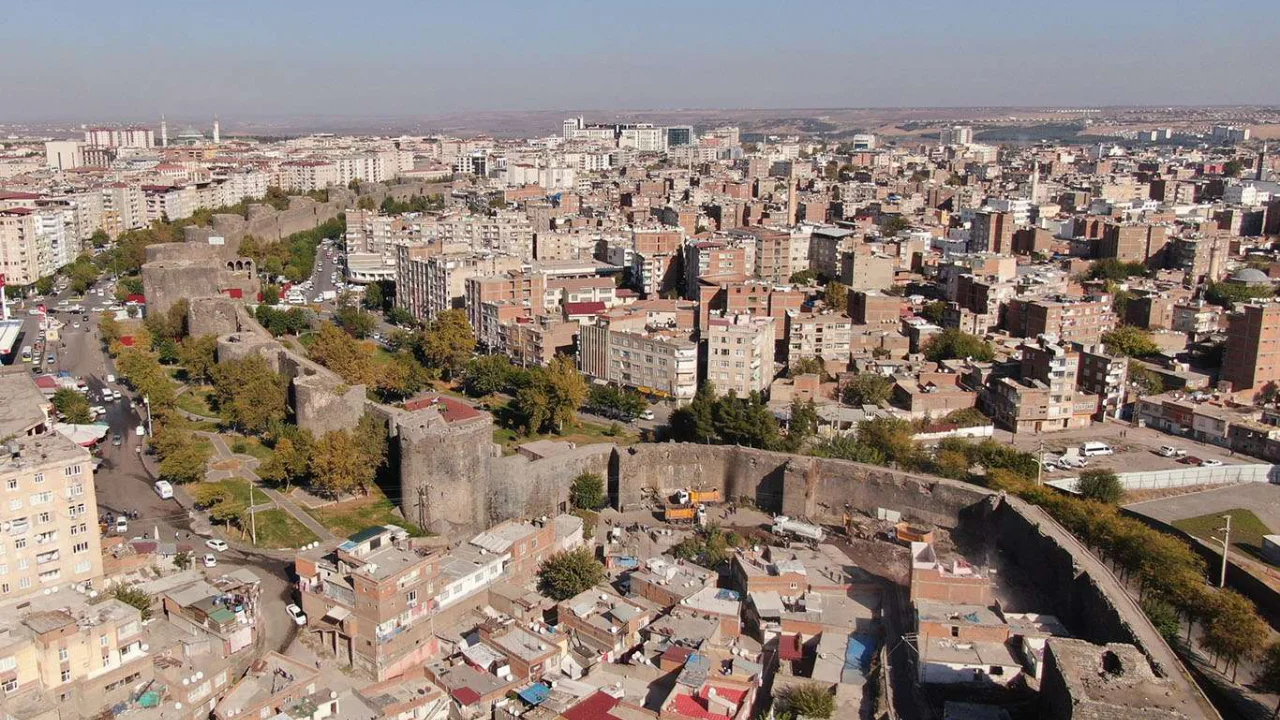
<point x="866" y="270"/>
<point x="1134" y="242"/>
<point x="519" y="288"/>
<point x="1252" y="357"/>
<point x="956" y="135"/>
<point x="1067" y="319"/>
<point x="427" y="285"/>
<point x="117" y="137"/>
<point x="991" y="231"/>
<point x="637" y="355"/>
<point x="20" y="256"/>
<point x="826" y="336"/>
<point x="740" y="353"/>
<point x="773" y="256"/>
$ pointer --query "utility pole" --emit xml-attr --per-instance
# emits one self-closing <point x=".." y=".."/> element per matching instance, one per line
<point x="422" y="506"/>
<point x="1040" y="464"/>
<point x="253" y="519"/>
<point x="1226" y="549"/>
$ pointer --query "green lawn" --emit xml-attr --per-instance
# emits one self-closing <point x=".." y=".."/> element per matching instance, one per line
<point x="197" y="400"/>
<point x="1246" y="529"/>
<point x="278" y="529"/>
<point x="249" y="446"/>
<point x="347" y="518"/>
<point x="584" y="433"/>
<point x="238" y="488"/>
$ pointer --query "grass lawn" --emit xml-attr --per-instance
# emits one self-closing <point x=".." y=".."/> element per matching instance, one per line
<point x="238" y="488"/>
<point x="249" y="446"/>
<point x="1246" y="529"/>
<point x="584" y="433"/>
<point x="278" y="529"/>
<point x="196" y="400"/>
<point x="347" y="518"/>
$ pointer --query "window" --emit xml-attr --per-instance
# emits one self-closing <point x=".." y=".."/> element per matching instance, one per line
<point x="83" y="566"/>
<point x="4" y="588"/>
<point x="104" y="640"/>
<point x="9" y="686"/>
<point x="955" y="631"/>
<point x="41" y="498"/>
<point x="63" y="655"/>
<point x="8" y="663"/>
<point x="39" y="478"/>
<point x="66" y="676"/>
<point x="11" y="484"/>
<point x="20" y="543"/>
<point x="80" y="547"/>
<point x="44" y="518"/>
<point x="15" y="504"/>
<point x="24" y="583"/>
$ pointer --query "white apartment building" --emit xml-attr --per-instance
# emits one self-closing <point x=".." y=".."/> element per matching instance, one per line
<point x="124" y="207"/>
<point x="826" y="336"/>
<point x="118" y="137"/>
<point x="643" y="137"/>
<point x="427" y="286"/>
<point x="20" y="260"/>
<point x="307" y="175"/>
<point x="657" y="363"/>
<point x="956" y="135"/>
<point x="55" y="238"/>
<point x="740" y="353"/>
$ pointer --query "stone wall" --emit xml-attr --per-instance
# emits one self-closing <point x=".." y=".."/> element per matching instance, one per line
<point x="521" y="487"/>
<point x="212" y="316"/>
<point x="445" y="471"/>
<point x="174" y="271"/>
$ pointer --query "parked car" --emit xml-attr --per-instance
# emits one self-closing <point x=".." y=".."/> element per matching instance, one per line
<point x="164" y="489"/>
<point x="116" y="440"/>
<point x="210" y="560"/>
<point x="216" y="544"/>
<point x="1171" y="451"/>
<point x="646" y="415"/>
<point x="295" y="612"/>
<point x="1212" y="463"/>
<point x="122" y="525"/>
<point x="1192" y="460"/>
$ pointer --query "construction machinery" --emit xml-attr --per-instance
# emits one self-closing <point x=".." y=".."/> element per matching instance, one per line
<point x="684" y="513"/>
<point x="788" y="527"/>
<point x="698" y="497"/>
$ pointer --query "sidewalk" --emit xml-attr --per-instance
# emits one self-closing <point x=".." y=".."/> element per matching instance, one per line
<point x="248" y="464"/>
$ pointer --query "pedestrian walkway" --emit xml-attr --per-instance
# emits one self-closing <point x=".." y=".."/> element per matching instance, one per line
<point x="248" y="464"/>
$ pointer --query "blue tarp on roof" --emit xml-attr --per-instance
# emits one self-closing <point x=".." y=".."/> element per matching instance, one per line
<point x="535" y="694"/>
<point x="727" y="595"/>
<point x="858" y="653"/>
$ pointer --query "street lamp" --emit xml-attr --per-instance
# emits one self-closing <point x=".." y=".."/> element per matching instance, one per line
<point x="1226" y="548"/>
<point x="146" y="400"/>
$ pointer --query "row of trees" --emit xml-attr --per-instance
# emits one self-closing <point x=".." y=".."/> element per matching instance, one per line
<point x="747" y="421"/>
<point x="295" y="256"/>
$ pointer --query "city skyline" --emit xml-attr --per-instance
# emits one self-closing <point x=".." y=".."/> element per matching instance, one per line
<point x="259" y="62"/>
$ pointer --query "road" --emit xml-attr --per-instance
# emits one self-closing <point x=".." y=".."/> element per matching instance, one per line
<point x="123" y="485"/>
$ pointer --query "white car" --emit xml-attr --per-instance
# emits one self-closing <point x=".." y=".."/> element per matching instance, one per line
<point x="122" y="525"/>
<point x="216" y="544"/>
<point x="210" y="560"/>
<point x="646" y="415"/>
<point x="111" y="378"/>
<point x="1212" y="463"/>
<point x="164" y="489"/>
<point x="295" y="612"/>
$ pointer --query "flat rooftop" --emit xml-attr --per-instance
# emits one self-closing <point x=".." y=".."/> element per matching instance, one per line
<point x="24" y="405"/>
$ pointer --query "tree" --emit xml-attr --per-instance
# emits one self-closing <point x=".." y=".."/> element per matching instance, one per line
<point x="807" y="366"/>
<point x="344" y="355"/>
<point x="568" y="573"/>
<point x="135" y="596"/>
<point x="1101" y="485"/>
<point x="1235" y="631"/>
<point x="951" y="344"/>
<point x="185" y="464"/>
<point x="802" y="277"/>
<point x="357" y="322"/>
<point x="1229" y="294"/>
<point x="694" y="422"/>
<point x="400" y="317"/>
<point x="250" y="394"/>
<point x="72" y="406"/>
<point x="608" y="398"/>
<point x="99" y="239"/>
<point x="1130" y="341"/>
<point x="894" y="224"/>
<point x="1115" y="270"/>
<point x="373" y="296"/>
<point x="271" y="294"/>
<point x="448" y="343"/>
<point x="866" y="389"/>
<point x="370" y="435"/>
<point x="933" y="311"/>
<point x="587" y="492"/>
<point x="1232" y="167"/>
<point x="892" y="437"/>
<point x="554" y="395"/>
<point x="1269" y="673"/>
<point x="836" y="296"/>
<point x="488" y="374"/>
<point x="199" y="357"/>
<point x="182" y="560"/>
<point x="810" y="700"/>
<point x="802" y="424"/>
<point x="1163" y="616"/>
<point x="1148" y="381"/>
<point x="338" y="465"/>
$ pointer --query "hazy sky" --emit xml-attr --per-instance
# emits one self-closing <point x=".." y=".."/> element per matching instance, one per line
<point x="92" y="60"/>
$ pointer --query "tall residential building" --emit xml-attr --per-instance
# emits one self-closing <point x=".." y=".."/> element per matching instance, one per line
<point x="427" y="285"/>
<point x="862" y="270"/>
<point x="1252" y="356"/>
<point x="991" y="231"/>
<point x="1066" y="319"/>
<point x="520" y="288"/>
<point x="20" y="257"/>
<point x="956" y="135"/>
<point x="47" y="502"/>
<point x="711" y="258"/>
<point x="118" y="137"/>
<point x="740" y="353"/>
<point x="773" y="257"/>
<point x="1134" y="242"/>
<point x="826" y="336"/>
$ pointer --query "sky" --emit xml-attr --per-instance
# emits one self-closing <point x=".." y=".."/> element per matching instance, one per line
<point x="84" y="61"/>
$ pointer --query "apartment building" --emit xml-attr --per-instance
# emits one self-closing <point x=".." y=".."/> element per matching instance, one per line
<point x="773" y="257"/>
<point x="69" y="653"/>
<point x="865" y="270"/>
<point x="1105" y="376"/>
<point x="1134" y="242"/>
<point x="372" y="600"/>
<point x="826" y="336"/>
<point x="869" y="307"/>
<point x="48" y="507"/>
<point x="1067" y="319"/>
<point x="118" y="137"/>
<point x="826" y="246"/>
<point x="635" y="353"/>
<point x="123" y="208"/>
<point x="991" y="231"/>
<point x="740" y="353"/>
<point x="518" y="287"/>
<point x="1044" y="399"/>
<point x="1252" y="357"/>
<point x="428" y="284"/>
<point x="758" y="298"/>
<point x="20" y="255"/>
<point x="304" y="176"/>
<point x="712" y="258"/>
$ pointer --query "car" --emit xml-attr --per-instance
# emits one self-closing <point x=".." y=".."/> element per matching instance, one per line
<point x="216" y="544"/>
<point x="646" y="415"/>
<point x="210" y="560"/>
<point x="1192" y="460"/>
<point x="122" y="525"/>
<point x="295" y="612"/>
<point x="98" y="410"/>
<point x="50" y="359"/>
<point x="1212" y="463"/>
<point x="1171" y="451"/>
<point x="111" y="378"/>
<point x="116" y="440"/>
<point x="164" y="489"/>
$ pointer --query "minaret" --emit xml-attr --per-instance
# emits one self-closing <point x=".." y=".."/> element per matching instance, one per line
<point x="1215" y="259"/>
<point x="217" y="137"/>
<point x="164" y="132"/>
<point x="791" y="195"/>
<point x="1035" y="180"/>
<point x="1262" y="158"/>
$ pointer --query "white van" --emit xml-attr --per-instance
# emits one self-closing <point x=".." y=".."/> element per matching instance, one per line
<point x="164" y="489"/>
<point x="1090" y="449"/>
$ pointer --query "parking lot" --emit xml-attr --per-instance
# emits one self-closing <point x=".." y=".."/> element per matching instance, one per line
<point x="1136" y="449"/>
<point x="1263" y="499"/>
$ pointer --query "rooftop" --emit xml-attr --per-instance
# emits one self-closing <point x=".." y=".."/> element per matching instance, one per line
<point x="24" y="405"/>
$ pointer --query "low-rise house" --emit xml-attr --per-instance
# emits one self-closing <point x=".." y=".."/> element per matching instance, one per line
<point x="606" y="622"/>
<point x="278" y="684"/>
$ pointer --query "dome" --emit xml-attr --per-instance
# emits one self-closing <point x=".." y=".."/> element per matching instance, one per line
<point x="1250" y="276"/>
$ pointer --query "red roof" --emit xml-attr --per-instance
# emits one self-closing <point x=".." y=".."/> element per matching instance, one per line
<point x="126" y="340"/>
<point x="8" y="195"/>
<point x="46" y="381"/>
<point x="584" y="308"/>
<point x="465" y="695"/>
<point x="691" y="707"/>
<point x="234" y="293"/>
<point x="451" y="410"/>
<point x="595" y="707"/>
<point x="789" y="647"/>
<point x="140" y="299"/>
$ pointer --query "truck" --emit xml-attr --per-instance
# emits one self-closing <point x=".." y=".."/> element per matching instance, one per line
<point x="328" y="295"/>
<point x="696" y="497"/>
<point x="684" y="513"/>
<point x="907" y="533"/>
<point x="788" y="527"/>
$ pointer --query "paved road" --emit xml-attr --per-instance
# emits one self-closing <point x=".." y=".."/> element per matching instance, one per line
<point x="1262" y="498"/>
